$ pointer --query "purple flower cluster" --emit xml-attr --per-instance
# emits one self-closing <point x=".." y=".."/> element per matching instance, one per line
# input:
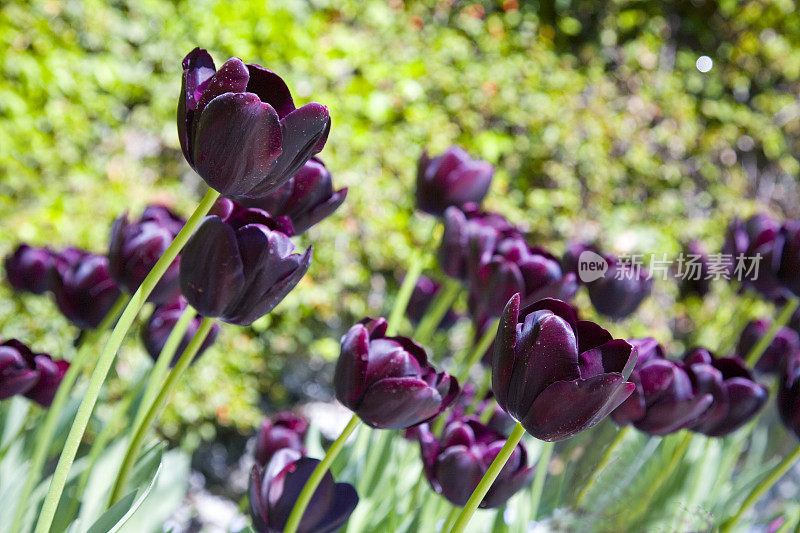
<point x="34" y="375"/>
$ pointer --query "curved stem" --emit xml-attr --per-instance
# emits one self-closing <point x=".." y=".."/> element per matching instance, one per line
<point x="760" y="347"/>
<point x="44" y="437"/>
<point x="106" y="359"/>
<point x="404" y="294"/>
<point x="316" y="476"/>
<point x="437" y="310"/>
<point x="538" y="481"/>
<point x="448" y="522"/>
<point x="488" y="478"/>
<point x="762" y="487"/>
<point x="604" y="462"/>
<point x="135" y="444"/>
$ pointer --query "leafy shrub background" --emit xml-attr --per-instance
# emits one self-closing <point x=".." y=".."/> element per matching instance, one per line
<point x="594" y="113"/>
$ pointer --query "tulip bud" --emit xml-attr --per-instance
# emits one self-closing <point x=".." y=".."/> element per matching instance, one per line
<point x="30" y="269"/>
<point x="785" y="343"/>
<point x="555" y="374"/>
<point x="35" y="375"/>
<point x="736" y="396"/>
<point x="757" y="235"/>
<point x="83" y="288"/>
<point x="307" y="198"/>
<point x="239" y="128"/>
<point x="285" y="430"/>
<point x="789" y="394"/>
<point x="456" y="463"/>
<point x="451" y="179"/>
<point x="665" y="400"/>
<point x="136" y="246"/>
<point x="239" y="264"/>
<point x="387" y="381"/>
<point x="424" y="293"/>
<point x="620" y="290"/>
<point x="275" y="489"/>
<point x="470" y="236"/>
<point x="160" y="324"/>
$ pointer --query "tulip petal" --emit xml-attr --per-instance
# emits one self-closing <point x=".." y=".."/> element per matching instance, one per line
<point x="211" y="270"/>
<point x="345" y="500"/>
<point x="504" y="351"/>
<point x="398" y="403"/>
<point x="231" y="77"/>
<point x="591" y="335"/>
<point x="198" y="68"/>
<point x="567" y="408"/>
<point x="500" y="493"/>
<point x="613" y="356"/>
<point x="322" y="211"/>
<point x="745" y="399"/>
<point x="237" y="143"/>
<point x="270" y="88"/>
<point x="351" y="367"/>
<point x="458" y="472"/>
<point x="285" y="488"/>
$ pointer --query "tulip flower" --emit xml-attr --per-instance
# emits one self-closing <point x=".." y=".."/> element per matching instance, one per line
<point x="665" y="399"/>
<point x="787" y="256"/>
<point x="695" y="279"/>
<point x="307" y="198"/>
<point x="35" y="375"/>
<point x="284" y="430"/>
<point x="789" y="394"/>
<point x="30" y="269"/>
<point x="83" y="287"/>
<point x="160" y="324"/>
<point x="424" y="293"/>
<point x="239" y="264"/>
<point x="239" y="128"/>
<point x="451" y="179"/>
<point x="387" y="381"/>
<point x="620" y="291"/>
<point x="136" y="246"/>
<point x="785" y="343"/>
<point x="747" y="239"/>
<point x="275" y="489"/>
<point x="555" y="374"/>
<point x="455" y="464"/>
<point x="736" y="396"/>
<point x="513" y="268"/>
<point x="470" y="236"/>
<point x="570" y="261"/>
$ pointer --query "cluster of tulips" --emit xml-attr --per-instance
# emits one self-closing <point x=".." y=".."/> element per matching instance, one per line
<point x="552" y="374"/>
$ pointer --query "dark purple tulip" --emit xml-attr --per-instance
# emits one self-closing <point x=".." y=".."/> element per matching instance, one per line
<point x="307" y="198"/>
<point x="387" y="381"/>
<point x="284" y="430"/>
<point x="30" y="269"/>
<point x="786" y="261"/>
<point x="665" y="399"/>
<point x="161" y="322"/>
<point x="785" y="343"/>
<point x="789" y="394"/>
<point x="83" y="287"/>
<point x="451" y="179"/>
<point x="469" y="238"/>
<point x="621" y="290"/>
<point x="514" y="268"/>
<point x="424" y="293"/>
<point x="455" y="464"/>
<point x="275" y="489"/>
<point x="555" y="374"/>
<point x="756" y="235"/>
<point x="35" y="375"/>
<point x="137" y="245"/>
<point x="696" y="279"/>
<point x="736" y="396"/>
<point x="239" y="128"/>
<point x="239" y="264"/>
<point x="569" y="261"/>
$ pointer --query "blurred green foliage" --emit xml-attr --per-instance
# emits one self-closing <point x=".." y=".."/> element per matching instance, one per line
<point x="598" y="120"/>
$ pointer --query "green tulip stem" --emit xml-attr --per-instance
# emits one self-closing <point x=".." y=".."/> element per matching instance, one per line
<point x="488" y="478"/>
<point x="756" y="494"/>
<point x="106" y="359"/>
<point x="608" y="455"/>
<point x="404" y="294"/>
<point x="47" y="430"/>
<point x="783" y="318"/>
<point x="541" y="474"/>
<point x="157" y="406"/>
<point x="451" y="517"/>
<point x="316" y="476"/>
<point x="480" y="394"/>
<point x="438" y="308"/>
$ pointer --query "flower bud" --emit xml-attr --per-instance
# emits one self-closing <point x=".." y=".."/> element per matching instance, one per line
<point x="747" y="239"/>
<point x="239" y="128"/>
<point x="785" y="343"/>
<point x="161" y="323"/>
<point x="284" y="430"/>
<point x="30" y="269"/>
<point x="35" y="375"/>
<point x="83" y="288"/>
<point x="620" y="291"/>
<point x="387" y="381"/>
<point x="451" y="179"/>
<point x="422" y="296"/>
<point x="469" y="238"/>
